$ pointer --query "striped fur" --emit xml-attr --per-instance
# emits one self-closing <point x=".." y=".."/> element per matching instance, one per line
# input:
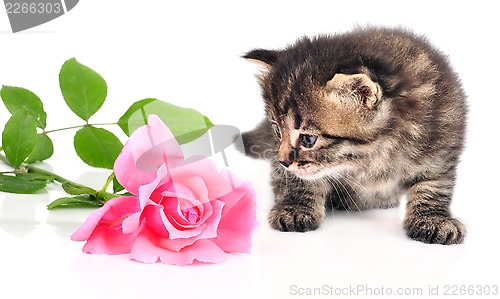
<point x="387" y="116"/>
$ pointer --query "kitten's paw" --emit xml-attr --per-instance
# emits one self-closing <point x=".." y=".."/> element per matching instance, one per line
<point x="435" y="230"/>
<point x="294" y="218"/>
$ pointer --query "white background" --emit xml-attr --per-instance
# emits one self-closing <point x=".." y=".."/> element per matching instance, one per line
<point x="188" y="53"/>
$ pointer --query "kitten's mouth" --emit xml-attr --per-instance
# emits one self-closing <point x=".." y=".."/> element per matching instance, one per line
<point x="312" y="172"/>
<point x="308" y="172"/>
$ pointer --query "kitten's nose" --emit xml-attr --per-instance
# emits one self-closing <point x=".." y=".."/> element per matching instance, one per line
<point x="286" y="155"/>
<point x="285" y="163"/>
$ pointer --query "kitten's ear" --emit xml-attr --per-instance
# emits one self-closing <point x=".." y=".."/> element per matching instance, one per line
<point x="357" y="86"/>
<point x="264" y="58"/>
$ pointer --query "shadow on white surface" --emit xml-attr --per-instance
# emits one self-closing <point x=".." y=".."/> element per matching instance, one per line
<point x="20" y="213"/>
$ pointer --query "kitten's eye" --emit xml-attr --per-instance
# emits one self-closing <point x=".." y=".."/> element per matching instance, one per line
<point x="307" y="140"/>
<point x="276" y="130"/>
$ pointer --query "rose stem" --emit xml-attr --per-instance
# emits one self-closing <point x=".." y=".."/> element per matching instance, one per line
<point x="102" y="195"/>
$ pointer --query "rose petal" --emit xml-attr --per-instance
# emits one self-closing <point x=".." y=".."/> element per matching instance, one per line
<point x="176" y="244"/>
<point x="155" y="220"/>
<point x="170" y="203"/>
<point x="131" y="223"/>
<point x="103" y="228"/>
<point x="238" y="222"/>
<point x="202" y="250"/>
<point x="148" y="148"/>
<point x="180" y="198"/>
<point x="112" y="210"/>
<point x="106" y="241"/>
<point x="212" y="221"/>
<point x="210" y="231"/>
<point x="165" y="226"/>
<point x="86" y="229"/>
<point x="146" y="191"/>
<point x="198" y="188"/>
<point x="217" y="184"/>
<point x="236" y="185"/>
<point x="197" y="167"/>
<point x="146" y="250"/>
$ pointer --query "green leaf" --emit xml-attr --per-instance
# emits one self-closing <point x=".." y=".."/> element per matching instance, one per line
<point x="76" y="189"/>
<point x="18" y="99"/>
<point x="80" y="201"/>
<point x="97" y="147"/>
<point x="135" y="116"/>
<point x="23" y="183"/>
<point x="105" y="196"/>
<point x="117" y="187"/>
<point x="83" y="89"/>
<point x="19" y="138"/>
<point x="35" y="176"/>
<point x="186" y="124"/>
<point x="44" y="148"/>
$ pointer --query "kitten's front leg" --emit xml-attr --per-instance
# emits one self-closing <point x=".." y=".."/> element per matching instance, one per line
<point x="300" y="204"/>
<point x="428" y="218"/>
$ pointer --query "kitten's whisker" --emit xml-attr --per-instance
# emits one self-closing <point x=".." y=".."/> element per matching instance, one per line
<point x="327" y="186"/>
<point x="338" y="194"/>
<point x="347" y="193"/>
<point x="286" y="178"/>
<point x="349" y="180"/>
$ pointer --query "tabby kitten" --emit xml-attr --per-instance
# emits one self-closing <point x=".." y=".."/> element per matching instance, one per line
<point x="357" y="120"/>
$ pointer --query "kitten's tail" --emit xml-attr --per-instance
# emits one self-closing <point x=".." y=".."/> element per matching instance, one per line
<point x="260" y="142"/>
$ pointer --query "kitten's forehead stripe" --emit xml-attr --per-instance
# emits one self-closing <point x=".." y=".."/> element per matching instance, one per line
<point x="294" y="133"/>
<point x="311" y="125"/>
<point x="298" y="121"/>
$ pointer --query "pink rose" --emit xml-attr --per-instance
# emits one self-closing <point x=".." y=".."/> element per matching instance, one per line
<point x="183" y="210"/>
